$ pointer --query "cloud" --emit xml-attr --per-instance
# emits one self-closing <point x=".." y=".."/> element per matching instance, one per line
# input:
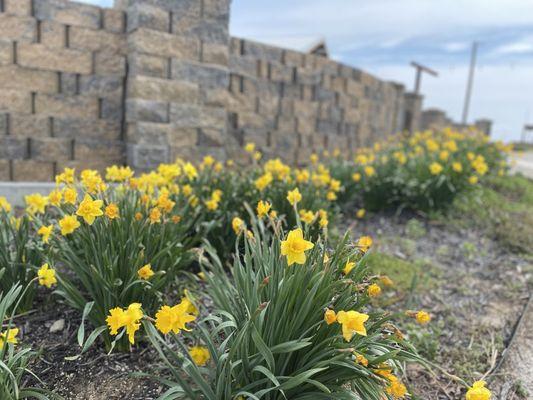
<point x="522" y="46"/>
<point x="454" y="47"/>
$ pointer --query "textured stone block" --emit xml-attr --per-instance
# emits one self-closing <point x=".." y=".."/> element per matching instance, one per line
<point x="147" y="65"/>
<point x="15" y="77"/>
<point x="66" y="106"/>
<point x="99" y="150"/>
<point x="207" y="30"/>
<point x="148" y="88"/>
<point x="146" y="110"/>
<point x="243" y="65"/>
<point x="102" y="86"/>
<point x="4" y="123"/>
<point x="29" y="125"/>
<point x="68" y="83"/>
<point x="15" y="100"/>
<point x="109" y="63"/>
<point x="146" y="157"/>
<point x="17" y="28"/>
<point x="215" y="54"/>
<point x="6" y="52"/>
<point x="218" y="9"/>
<point x="262" y="51"/>
<point x="148" y="16"/>
<point x="211" y="137"/>
<point x="87" y="128"/>
<point x="196" y="116"/>
<point x="206" y="75"/>
<point x="68" y="13"/>
<point x="50" y="149"/>
<point x="111" y="108"/>
<point x="33" y="171"/>
<point x="5" y="170"/>
<point x="164" y="44"/>
<point x="18" y="7"/>
<point x="148" y="133"/>
<point x="94" y="40"/>
<point x="67" y="60"/>
<point x="13" y="148"/>
<point x="53" y="34"/>
<point x="191" y="8"/>
<point x="114" y="20"/>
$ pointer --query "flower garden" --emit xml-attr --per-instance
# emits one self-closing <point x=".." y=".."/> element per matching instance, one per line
<point x="247" y="279"/>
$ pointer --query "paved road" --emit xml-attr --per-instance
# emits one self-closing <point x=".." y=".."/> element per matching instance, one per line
<point x="523" y="162"/>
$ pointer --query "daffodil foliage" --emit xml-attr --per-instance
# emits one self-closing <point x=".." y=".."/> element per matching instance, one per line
<point x="282" y="329"/>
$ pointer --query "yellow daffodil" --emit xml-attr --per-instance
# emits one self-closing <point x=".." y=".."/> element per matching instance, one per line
<point x="36" y="203"/>
<point x="174" y="318"/>
<point x="478" y="391"/>
<point x="4" y="204"/>
<point x="55" y="197"/>
<point x="155" y="215"/>
<point x="70" y="195"/>
<point x="435" y="168"/>
<point x="46" y="276"/>
<point x="111" y="211"/>
<point x="294" y="196"/>
<point x="360" y="213"/>
<point x="89" y="209"/>
<point x="422" y="317"/>
<point x="294" y="247"/>
<point x="330" y="317"/>
<point x="364" y="243"/>
<point x="9" y="336"/>
<point x="145" y="272"/>
<point x="68" y="224"/>
<point x="45" y="232"/>
<point x="263" y="207"/>
<point x="373" y="290"/>
<point x="237" y="224"/>
<point x="352" y="322"/>
<point x="200" y="355"/>
<point x="348" y="267"/>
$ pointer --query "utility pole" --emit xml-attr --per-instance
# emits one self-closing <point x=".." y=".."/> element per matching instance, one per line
<point x="470" y="82"/>
<point x="418" y="77"/>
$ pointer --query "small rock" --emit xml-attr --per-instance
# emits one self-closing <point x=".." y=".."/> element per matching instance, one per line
<point x="57" y="326"/>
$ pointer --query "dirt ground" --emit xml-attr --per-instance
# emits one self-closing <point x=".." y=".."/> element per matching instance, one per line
<point x="476" y="292"/>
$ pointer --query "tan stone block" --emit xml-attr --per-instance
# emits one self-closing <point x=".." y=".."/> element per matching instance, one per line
<point x="87" y="128"/>
<point x="181" y="137"/>
<point x="148" y="65"/>
<point x="17" y="28"/>
<point x="15" y="77"/>
<point x="149" y="88"/>
<point x="114" y="20"/>
<point x="94" y="40"/>
<point x="29" y="125"/>
<point x="18" y="7"/>
<point x="53" y="34"/>
<point x="50" y="149"/>
<point x="109" y="63"/>
<point x="68" y="13"/>
<point x="5" y="174"/>
<point x="99" y="150"/>
<point x="6" y="52"/>
<point x="67" y="106"/>
<point x="66" y="60"/>
<point x="305" y="126"/>
<point x="164" y="44"/>
<point x="30" y="170"/>
<point x="215" y="54"/>
<point x="15" y="100"/>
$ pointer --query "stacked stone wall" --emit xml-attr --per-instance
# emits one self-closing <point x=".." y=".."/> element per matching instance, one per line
<point x="62" y="70"/>
<point x="151" y="80"/>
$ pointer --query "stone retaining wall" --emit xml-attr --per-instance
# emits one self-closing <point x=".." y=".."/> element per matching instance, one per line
<point x="152" y="80"/>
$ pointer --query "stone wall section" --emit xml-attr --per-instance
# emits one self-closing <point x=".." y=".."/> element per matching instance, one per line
<point x="177" y="60"/>
<point x="151" y="80"/>
<point x="62" y="70"/>
<point x="292" y="103"/>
